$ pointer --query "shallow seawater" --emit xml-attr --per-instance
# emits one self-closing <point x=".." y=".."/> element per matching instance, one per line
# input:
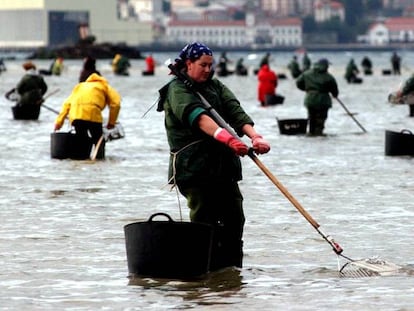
<point x="62" y="243"/>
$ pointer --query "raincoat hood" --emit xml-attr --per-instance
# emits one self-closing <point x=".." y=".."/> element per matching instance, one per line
<point x="94" y="77"/>
<point x="265" y="67"/>
<point x="321" y="66"/>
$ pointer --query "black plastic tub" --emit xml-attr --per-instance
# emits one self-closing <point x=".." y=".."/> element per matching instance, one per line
<point x="67" y="145"/>
<point x="168" y="249"/>
<point x="275" y="99"/>
<point x="399" y="143"/>
<point x="26" y="112"/>
<point x="292" y="126"/>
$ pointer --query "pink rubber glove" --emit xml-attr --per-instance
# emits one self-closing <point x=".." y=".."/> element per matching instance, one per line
<point x="239" y="148"/>
<point x="260" y="146"/>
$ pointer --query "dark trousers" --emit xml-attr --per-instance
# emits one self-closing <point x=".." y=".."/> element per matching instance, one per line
<point x="411" y="107"/>
<point x="92" y="130"/>
<point x="317" y="118"/>
<point x="219" y="205"/>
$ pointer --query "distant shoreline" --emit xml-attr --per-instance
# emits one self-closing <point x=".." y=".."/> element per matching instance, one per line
<point x="13" y="53"/>
<point x="353" y="47"/>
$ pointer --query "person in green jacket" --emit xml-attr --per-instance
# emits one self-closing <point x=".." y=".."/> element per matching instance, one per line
<point x="241" y="69"/>
<point x="294" y="67"/>
<point x="318" y="84"/>
<point x="58" y="66"/>
<point x="405" y="95"/>
<point x="351" y="72"/>
<point x="204" y="157"/>
<point x="31" y="87"/>
<point x="306" y="62"/>
<point x="120" y="65"/>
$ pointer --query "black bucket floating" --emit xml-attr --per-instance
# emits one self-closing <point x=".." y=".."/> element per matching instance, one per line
<point x="292" y="126"/>
<point x="274" y="99"/>
<point x="281" y="76"/>
<point x="368" y="72"/>
<point x="356" y="80"/>
<point x="26" y="112"/>
<point x="67" y="145"/>
<point x="168" y="249"/>
<point x="399" y="143"/>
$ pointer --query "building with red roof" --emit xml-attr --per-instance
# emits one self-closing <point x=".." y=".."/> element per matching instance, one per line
<point x="391" y="30"/>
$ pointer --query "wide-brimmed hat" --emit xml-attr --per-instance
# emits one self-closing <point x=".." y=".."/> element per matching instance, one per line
<point x="28" y="66"/>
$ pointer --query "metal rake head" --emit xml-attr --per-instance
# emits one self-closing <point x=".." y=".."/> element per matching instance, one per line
<point x="368" y="267"/>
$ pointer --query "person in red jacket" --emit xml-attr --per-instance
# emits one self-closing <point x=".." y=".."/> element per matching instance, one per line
<point x="267" y="84"/>
<point x="149" y="60"/>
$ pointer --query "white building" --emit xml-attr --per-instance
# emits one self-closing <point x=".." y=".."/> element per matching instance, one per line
<point x="212" y="33"/>
<point x="378" y="34"/>
<point x="282" y="32"/>
<point x="264" y="33"/>
<point x="41" y="23"/>
<point x="147" y="10"/>
<point x="392" y="30"/>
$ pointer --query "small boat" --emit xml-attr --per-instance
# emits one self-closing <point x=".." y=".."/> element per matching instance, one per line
<point x="399" y="143"/>
<point x="292" y="126"/>
<point x="167" y="248"/>
<point x="26" y="112"/>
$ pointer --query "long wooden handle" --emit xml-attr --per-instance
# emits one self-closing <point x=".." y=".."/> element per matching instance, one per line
<point x="282" y="189"/>
<point x="350" y="114"/>
<point x="51" y="93"/>
<point x="335" y="246"/>
<point x="96" y="149"/>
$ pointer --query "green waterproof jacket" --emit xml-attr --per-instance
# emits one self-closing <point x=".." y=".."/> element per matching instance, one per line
<point x="408" y="86"/>
<point x="294" y="68"/>
<point x="31" y="89"/>
<point x="197" y="158"/>
<point x="318" y="83"/>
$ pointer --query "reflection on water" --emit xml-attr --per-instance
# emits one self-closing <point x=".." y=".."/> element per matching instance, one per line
<point x="62" y="243"/>
<point x="217" y="288"/>
<point x="223" y="280"/>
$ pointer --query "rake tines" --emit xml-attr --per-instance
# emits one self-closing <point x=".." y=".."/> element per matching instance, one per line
<point x="368" y="268"/>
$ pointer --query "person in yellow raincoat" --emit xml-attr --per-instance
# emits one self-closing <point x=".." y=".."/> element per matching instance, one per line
<point x="85" y="105"/>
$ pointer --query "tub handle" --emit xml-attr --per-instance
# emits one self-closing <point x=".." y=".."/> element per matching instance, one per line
<point x="405" y="131"/>
<point x="160" y="214"/>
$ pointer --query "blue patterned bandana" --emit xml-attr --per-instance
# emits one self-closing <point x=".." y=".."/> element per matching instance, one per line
<point x="194" y="51"/>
